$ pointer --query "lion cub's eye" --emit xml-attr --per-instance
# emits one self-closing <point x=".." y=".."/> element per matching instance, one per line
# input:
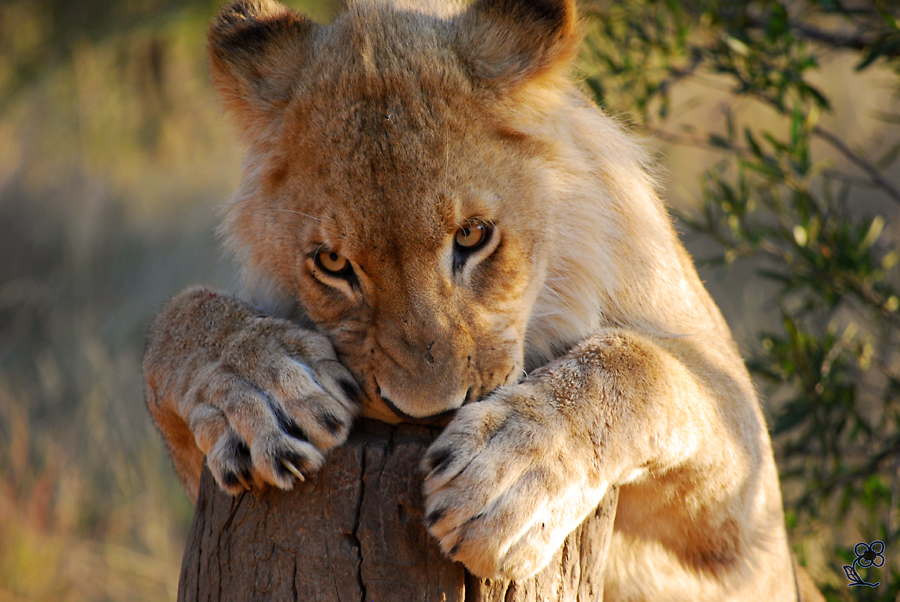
<point x="470" y="238"/>
<point x="467" y="241"/>
<point x="332" y="263"/>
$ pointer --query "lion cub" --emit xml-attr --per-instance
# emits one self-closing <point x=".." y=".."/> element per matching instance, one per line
<point x="434" y="222"/>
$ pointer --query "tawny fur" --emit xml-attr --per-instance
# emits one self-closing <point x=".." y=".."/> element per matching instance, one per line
<point x="577" y="346"/>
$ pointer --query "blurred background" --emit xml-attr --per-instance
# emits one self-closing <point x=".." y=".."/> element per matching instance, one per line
<point x="777" y="128"/>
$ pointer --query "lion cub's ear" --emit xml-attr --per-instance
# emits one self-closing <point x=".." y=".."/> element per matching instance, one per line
<point x="256" y="49"/>
<point x="506" y="42"/>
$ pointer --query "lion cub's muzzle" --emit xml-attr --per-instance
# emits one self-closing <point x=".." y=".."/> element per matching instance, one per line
<point x="421" y="365"/>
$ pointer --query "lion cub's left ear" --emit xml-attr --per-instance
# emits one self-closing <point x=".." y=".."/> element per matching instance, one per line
<point x="256" y="49"/>
<point x="507" y="42"/>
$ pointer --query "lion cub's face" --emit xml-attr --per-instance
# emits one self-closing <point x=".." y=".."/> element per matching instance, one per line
<point x="411" y="257"/>
<point x="382" y="193"/>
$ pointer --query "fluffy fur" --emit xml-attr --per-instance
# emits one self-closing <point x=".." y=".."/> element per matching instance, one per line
<point x="571" y="349"/>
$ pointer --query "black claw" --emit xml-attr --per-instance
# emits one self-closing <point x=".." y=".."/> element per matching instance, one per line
<point x="241" y="451"/>
<point x="434" y="516"/>
<point x="293" y="429"/>
<point x="439" y="460"/>
<point x="230" y="480"/>
<point x="239" y="471"/>
<point x="331" y="423"/>
<point x="351" y="390"/>
<point x="286" y="423"/>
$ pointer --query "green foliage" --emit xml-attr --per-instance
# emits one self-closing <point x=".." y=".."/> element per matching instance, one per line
<point x="820" y="234"/>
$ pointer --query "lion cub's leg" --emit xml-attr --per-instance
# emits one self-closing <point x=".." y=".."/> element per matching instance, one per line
<point x="260" y="397"/>
<point x="512" y="475"/>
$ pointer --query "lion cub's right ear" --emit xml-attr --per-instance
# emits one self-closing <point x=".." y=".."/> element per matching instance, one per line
<point x="256" y="48"/>
<point x="507" y="42"/>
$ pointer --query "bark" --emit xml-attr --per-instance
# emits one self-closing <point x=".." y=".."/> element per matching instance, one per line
<point x="354" y="532"/>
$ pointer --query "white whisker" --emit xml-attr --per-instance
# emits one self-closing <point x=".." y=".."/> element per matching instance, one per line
<point x="312" y="217"/>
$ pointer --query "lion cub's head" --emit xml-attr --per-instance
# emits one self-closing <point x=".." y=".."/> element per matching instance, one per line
<point x="385" y="192"/>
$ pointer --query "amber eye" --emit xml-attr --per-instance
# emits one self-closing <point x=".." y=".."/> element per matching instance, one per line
<point x="332" y="262"/>
<point x="469" y="238"/>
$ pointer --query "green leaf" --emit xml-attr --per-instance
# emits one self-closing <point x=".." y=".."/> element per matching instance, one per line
<point x="887" y="44"/>
<point x="796" y="125"/>
<point x="808" y="90"/>
<point x="778" y="23"/>
<point x="890" y="156"/>
<point x="872" y="235"/>
<point x="719" y="141"/>
<point x="754" y="145"/>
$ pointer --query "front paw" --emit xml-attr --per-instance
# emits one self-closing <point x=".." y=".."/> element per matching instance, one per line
<point x="508" y="480"/>
<point x="275" y="401"/>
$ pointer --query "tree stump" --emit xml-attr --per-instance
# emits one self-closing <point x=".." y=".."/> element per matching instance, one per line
<point x="354" y="532"/>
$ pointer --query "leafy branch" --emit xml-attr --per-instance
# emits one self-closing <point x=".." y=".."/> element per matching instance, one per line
<point x="808" y="224"/>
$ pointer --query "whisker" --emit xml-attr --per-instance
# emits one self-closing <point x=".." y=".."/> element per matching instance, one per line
<point x="312" y="217"/>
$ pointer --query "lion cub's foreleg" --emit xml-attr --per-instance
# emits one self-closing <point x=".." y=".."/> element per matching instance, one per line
<point x="512" y="475"/>
<point x="260" y="397"/>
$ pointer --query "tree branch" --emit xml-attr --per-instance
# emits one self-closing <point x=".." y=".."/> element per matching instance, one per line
<point x="859" y="161"/>
<point x="834" y="39"/>
<point x="873" y="172"/>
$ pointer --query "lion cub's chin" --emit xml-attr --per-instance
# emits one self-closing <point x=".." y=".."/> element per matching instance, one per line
<point x="377" y="409"/>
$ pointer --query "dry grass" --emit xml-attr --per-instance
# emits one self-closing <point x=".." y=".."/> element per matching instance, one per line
<point x="114" y="158"/>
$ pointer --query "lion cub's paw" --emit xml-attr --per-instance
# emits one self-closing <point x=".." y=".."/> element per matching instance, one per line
<point x="272" y="405"/>
<point x="507" y="481"/>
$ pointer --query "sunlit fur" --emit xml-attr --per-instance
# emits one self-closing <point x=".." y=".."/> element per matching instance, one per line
<point x="578" y="349"/>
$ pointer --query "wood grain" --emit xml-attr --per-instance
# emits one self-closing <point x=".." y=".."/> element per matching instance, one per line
<point x="354" y="532"/>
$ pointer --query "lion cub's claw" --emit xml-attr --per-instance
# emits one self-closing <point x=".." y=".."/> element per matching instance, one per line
<point x="293" y="469"/>
<point x="230" y="464"/>
<point x="502" y="495"/>
<point x="271" y="420"/>
<point x="243" y="481"/>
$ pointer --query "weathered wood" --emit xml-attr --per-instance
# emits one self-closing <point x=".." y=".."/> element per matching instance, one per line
<point x="354" y="532"/>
